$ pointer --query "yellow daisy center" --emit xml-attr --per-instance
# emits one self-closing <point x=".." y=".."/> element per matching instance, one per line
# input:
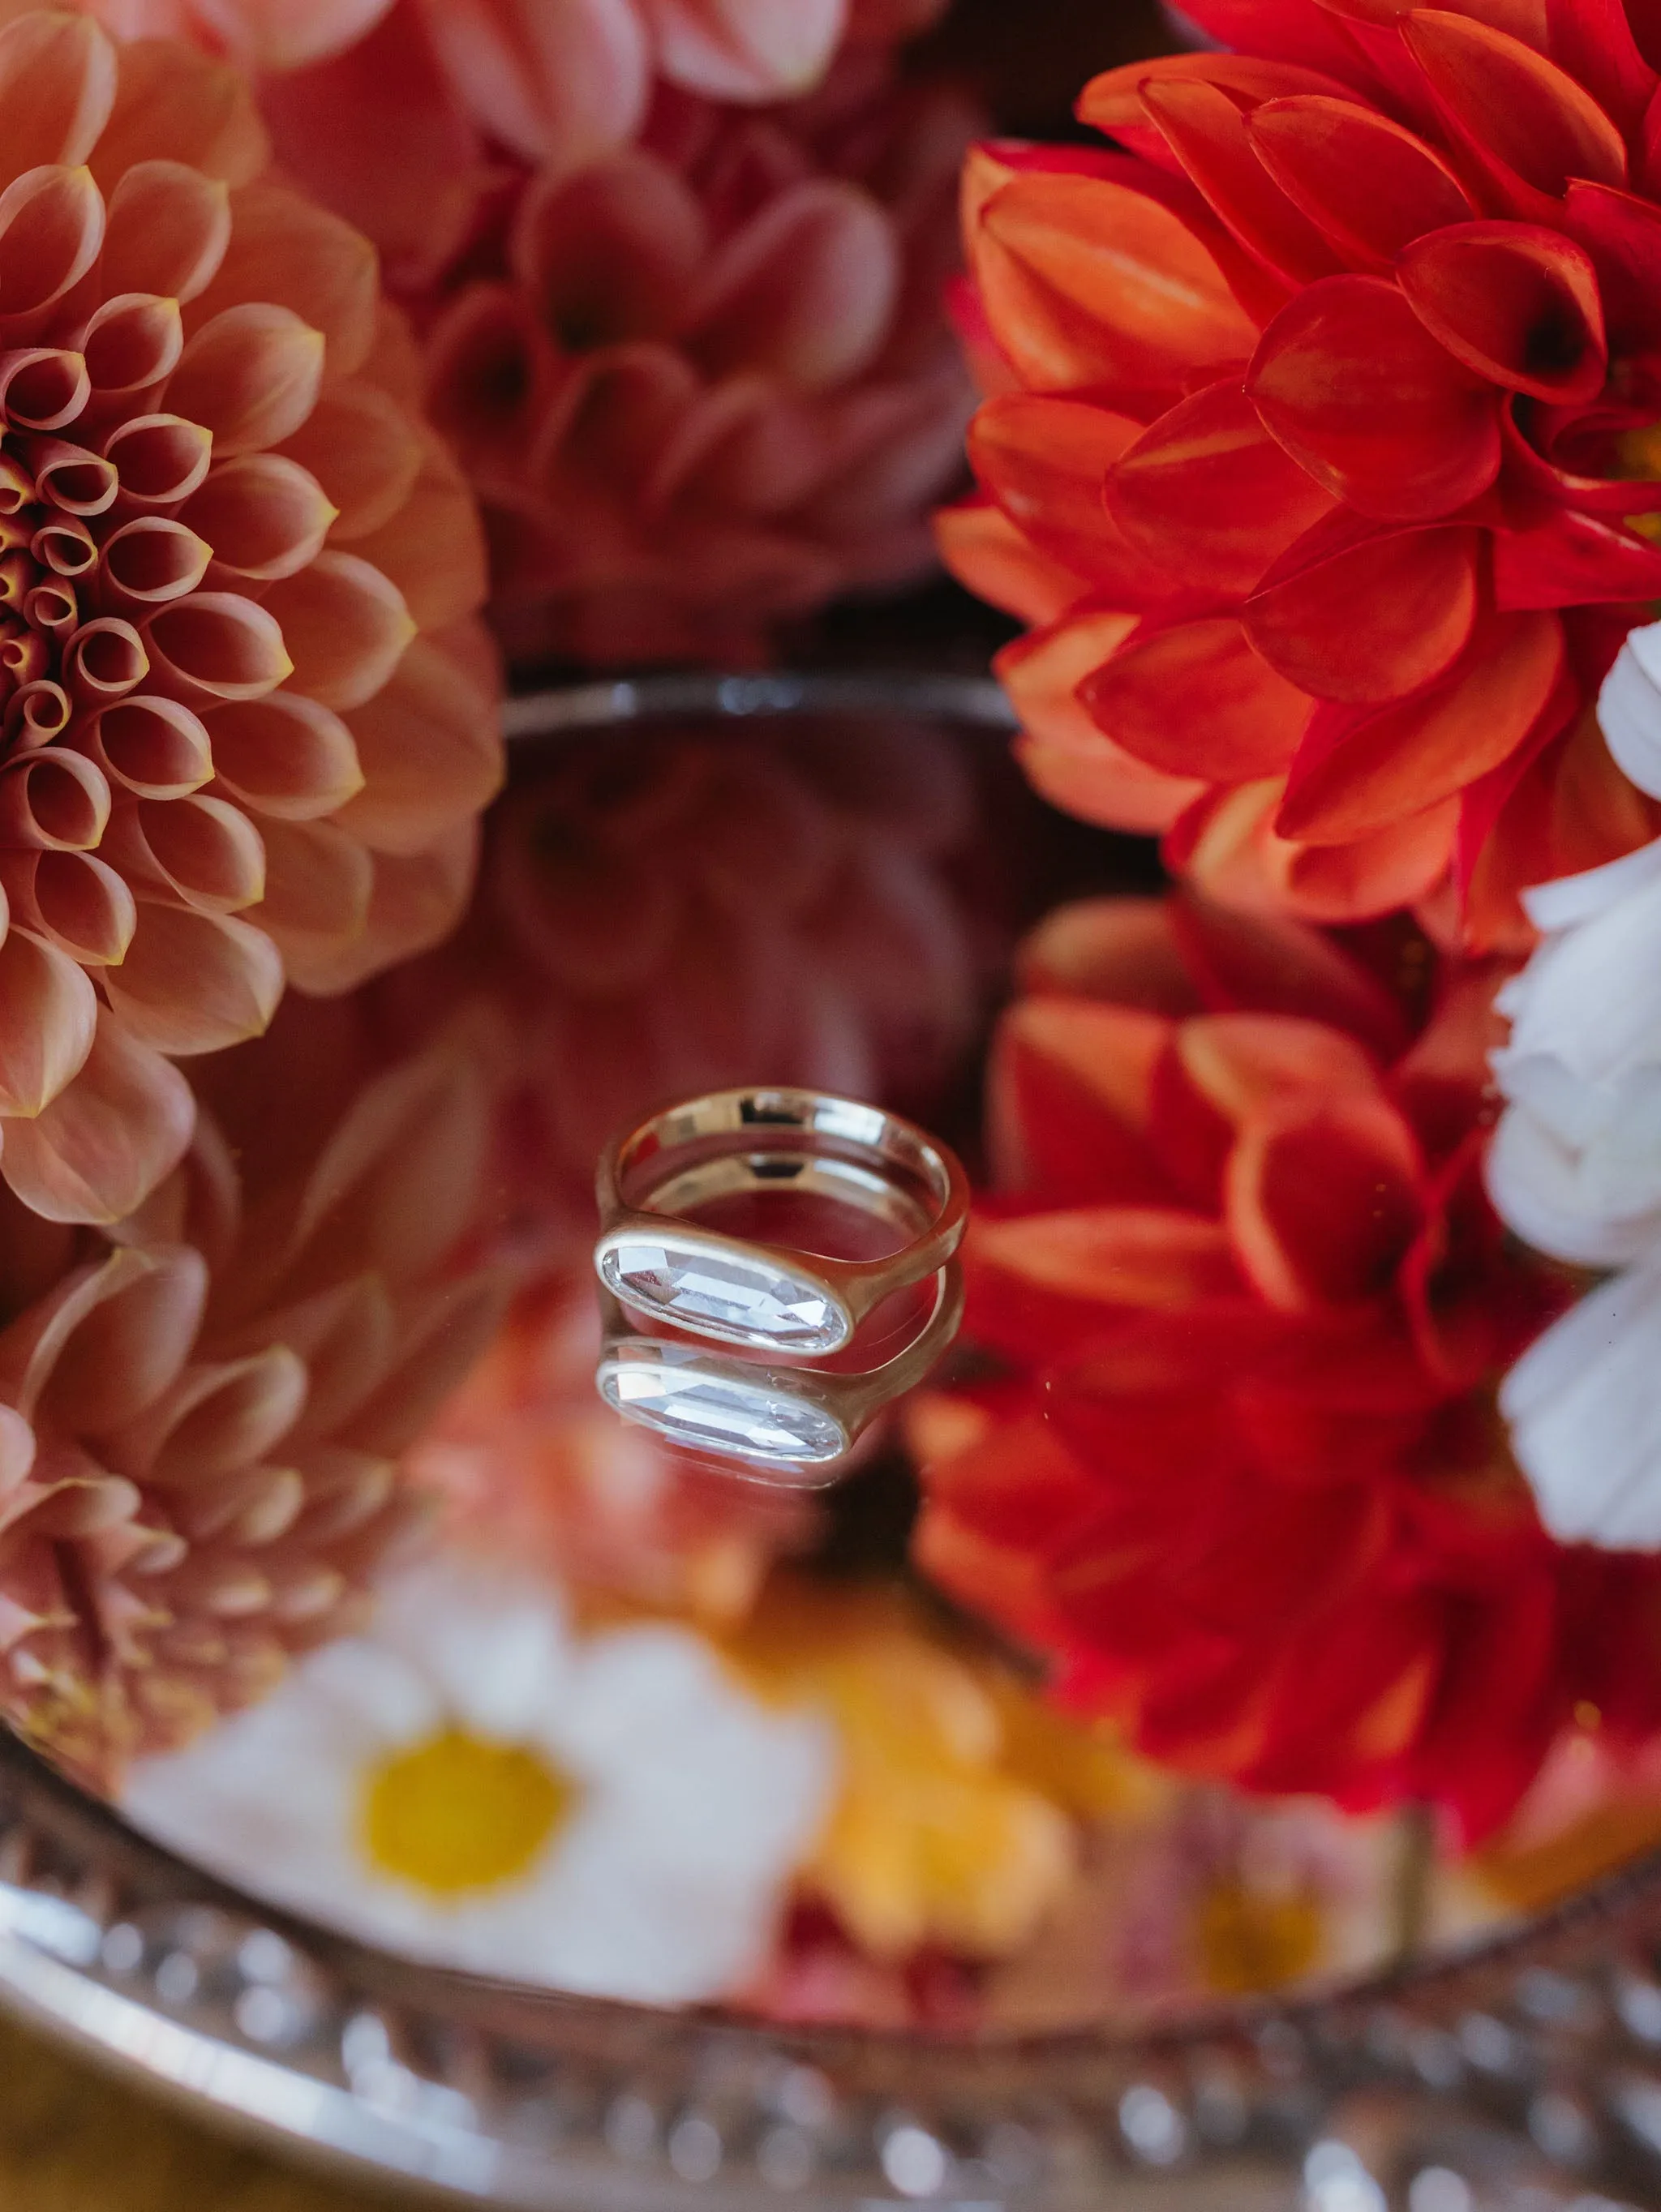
<point x="456" y="1815"/>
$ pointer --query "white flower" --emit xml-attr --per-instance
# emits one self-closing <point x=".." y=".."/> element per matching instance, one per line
<point x="1584" y="1403"/>
<point x="473" y="1785"/>
<point x="1629" y="708"/>
<point x="1575" y="1166"/>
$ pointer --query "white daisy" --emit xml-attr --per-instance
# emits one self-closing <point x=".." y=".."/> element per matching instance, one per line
<point x="473" y="1785"/>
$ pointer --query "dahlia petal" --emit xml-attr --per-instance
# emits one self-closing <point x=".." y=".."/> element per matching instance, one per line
<point x="1362" y="772"/>
<point x="259" y="517"/>
<point x="1211" y="139"/>
<point x="250" y="1511"/>
<point x="48" y="1012"/>
<point x="194" y="983"/>
<point x="285" y="248"/>
<point x="491" y="368"/>
<point x="1089" y="282"/>
<point x="285" y="757"/>
<point x="151" y="561"/>
<point x="158" y="459"/>
<point x="980" y="546"/>
<point x="614" y="417"/>
<point x="120" y="1340"/>
<point x="344" y="625"/>
<point x="218" y="1418"/>
<point x="413" y="185"/>
<point x="611" y="253"/>
<point x="1372" y="620"/>
<point x="393" y="1184"/>
<point x="1525" y="122"/>
<point x="53" y="800"/>
<point x="1069" y="1097"/>
<point x="1268" y="963"/>
<point x="1209" y="494"/>
<point x="36" y="715"/>
<point x="319" y="881"/>
<point x="1369" y="184"/>
<point x="559" y="85"/>
<point x="1116" y="1256"/>
<point x="736" y="50"/>
<point x="1323" y="1200"/>
<point x="104" y="660"/>
<point x="173" y="103"/>
<point x="216" y="645"/>
<point x="1113" y="100"/>
<point x="1621" y="233"/>
<point x="1357" y="390"/>
<point x="76" y="902"/>
<point x="1570" y="559"/>
<point x="360" y="447"/>
<point x="201" y="851"/>
<point x="1513" y="302"/>
<point x="1593" y="41"/>
<point x="249" y="376"/>
<point x="99" y="1150"/>
<point x="347" y="1335"/>
<point x="166" y="230"/>
<point x="1369" y="876"/>
<point x="806" y="291"/>
<point x="1242" y="1065"/>
<point x="1065" y="754"/>
<point x="446" y="1334"/>
<point x="58" y="88"/>
<point x="1121" y="950"/>
<point x="1195" y="699"/>
<point x="130" y="344"/>
<point x="42" y="387"/>
<point x="51" y="226"/>
<point x="433" y="549"/>
<point x="1045" y="461"/>
<point x="430" y="752"/>
<point x="70" y="478"/>
<point x="415" y="904"/>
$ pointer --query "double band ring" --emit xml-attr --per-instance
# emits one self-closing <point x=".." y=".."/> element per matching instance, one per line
<point x="766" y="1147"/>
<point x="768" y="1298"/>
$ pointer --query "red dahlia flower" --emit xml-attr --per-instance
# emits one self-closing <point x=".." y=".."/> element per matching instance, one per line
<point x="1323" y="465"/>
<point x="1246" y="1486"/>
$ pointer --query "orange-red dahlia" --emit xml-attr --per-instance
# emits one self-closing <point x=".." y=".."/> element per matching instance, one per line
<point x="247" y="719"/>
<point x="1324" y="458"/>
<point x="1245" y="1484"/>
<point x="203" y="1410"/>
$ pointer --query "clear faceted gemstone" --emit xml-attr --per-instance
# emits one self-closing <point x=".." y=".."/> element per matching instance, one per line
<point x="743" y="1298"/>
<point x="706" y="1408"/>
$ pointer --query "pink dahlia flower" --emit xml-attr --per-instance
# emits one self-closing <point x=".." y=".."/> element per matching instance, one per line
<point x="204" y="1411"/>
<point x="705" y="383"/>
<point x="246" y="721"/>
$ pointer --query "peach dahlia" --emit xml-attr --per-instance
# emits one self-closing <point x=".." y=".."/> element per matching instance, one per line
<point x="246" y="718"/>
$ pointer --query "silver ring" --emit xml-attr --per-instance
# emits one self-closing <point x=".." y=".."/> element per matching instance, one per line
<point x="797" y="1422"/>
<point x="769" y="1298"/>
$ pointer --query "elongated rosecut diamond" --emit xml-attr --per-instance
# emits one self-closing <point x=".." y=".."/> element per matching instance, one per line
<point x="739" y="1295"/>
<point x="703" y="1406"/>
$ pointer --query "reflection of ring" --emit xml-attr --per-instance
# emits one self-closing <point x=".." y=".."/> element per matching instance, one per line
<point x="796" y="1420"/>
<point x="763" y="1295"/>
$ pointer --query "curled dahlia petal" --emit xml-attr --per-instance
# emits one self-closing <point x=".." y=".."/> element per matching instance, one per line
<point x="1356" y="344"/>
<point x="205" y="1409"/>
<point x="225" y="538"/>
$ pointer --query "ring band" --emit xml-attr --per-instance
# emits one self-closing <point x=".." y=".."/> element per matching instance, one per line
<point x="767" y="1297"/>
<point x="797" y="1422"/>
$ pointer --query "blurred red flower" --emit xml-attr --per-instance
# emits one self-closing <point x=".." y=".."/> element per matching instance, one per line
<point x="1244" y="1482"/>
<point x="1323" y="446"/>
